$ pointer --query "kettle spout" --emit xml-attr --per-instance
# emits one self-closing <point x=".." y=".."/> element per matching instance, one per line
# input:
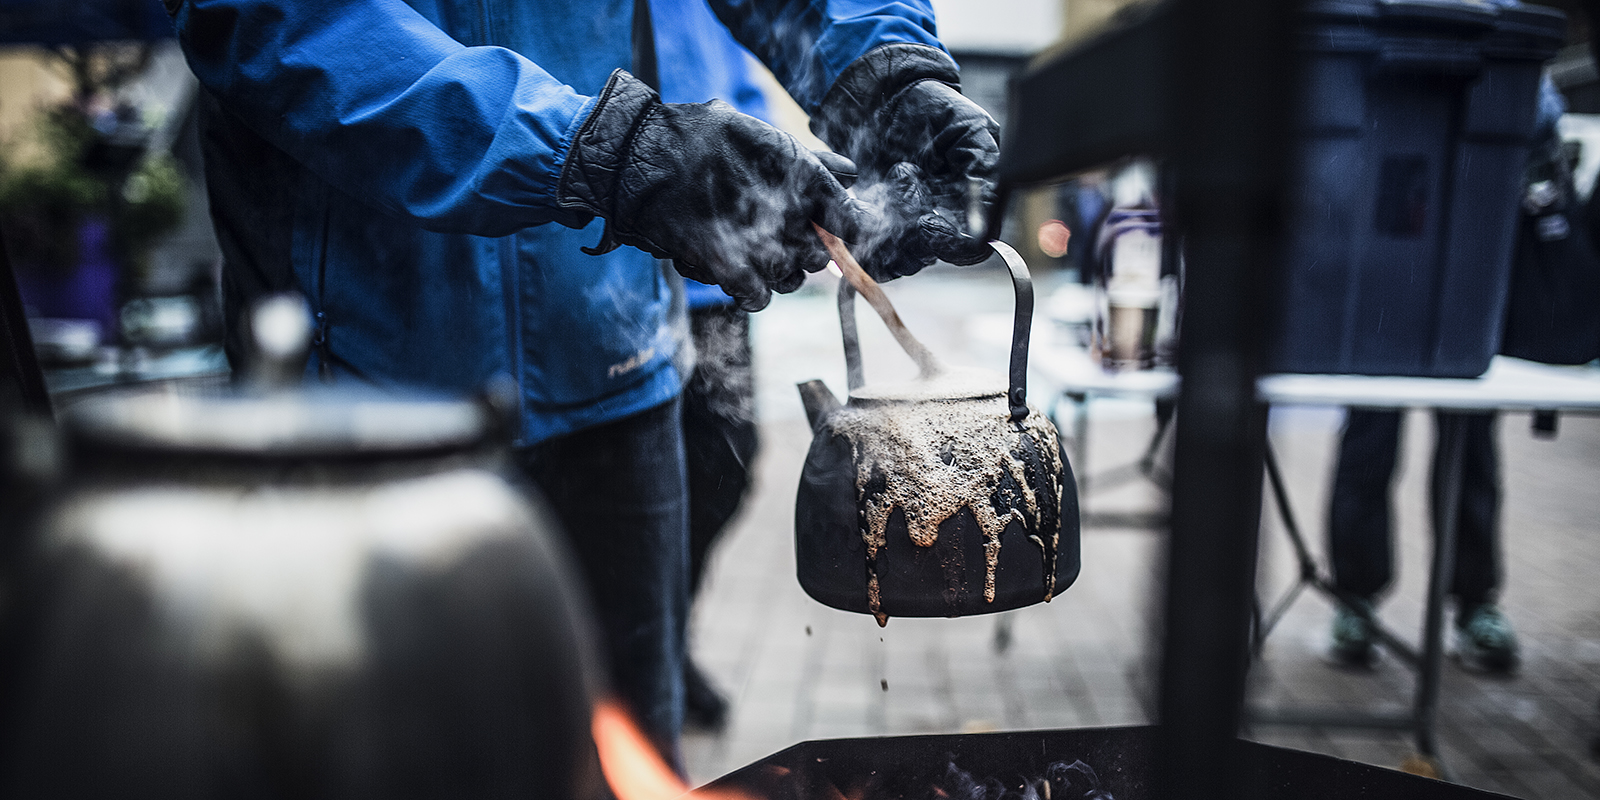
<point x="819" y="402"/>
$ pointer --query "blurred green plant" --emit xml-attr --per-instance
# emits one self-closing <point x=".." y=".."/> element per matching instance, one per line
<point x="90" y="167"/>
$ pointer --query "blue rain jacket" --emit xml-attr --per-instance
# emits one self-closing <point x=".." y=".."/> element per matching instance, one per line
<point x="397" y="162"/>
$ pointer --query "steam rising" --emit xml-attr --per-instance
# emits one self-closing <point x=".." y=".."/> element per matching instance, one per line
<point x="764" y="193"/>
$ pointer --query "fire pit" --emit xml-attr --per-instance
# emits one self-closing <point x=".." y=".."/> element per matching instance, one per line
<point x="1081" y="764"/>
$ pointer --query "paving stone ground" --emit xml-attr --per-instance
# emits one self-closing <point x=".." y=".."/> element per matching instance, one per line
<point x="796" y="670"/>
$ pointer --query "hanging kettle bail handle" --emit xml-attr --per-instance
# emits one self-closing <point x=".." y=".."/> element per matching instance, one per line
<point x="1022" y="328"/>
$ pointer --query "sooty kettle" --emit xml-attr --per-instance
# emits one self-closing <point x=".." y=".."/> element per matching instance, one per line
<point x="283" y="592"/>
<point x="944" y="496"/>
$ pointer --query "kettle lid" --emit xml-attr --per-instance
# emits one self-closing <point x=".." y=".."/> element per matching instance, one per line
<point x="270" y="415"/>
<point x="950" y="384"/>
<point x="319" y="422"/>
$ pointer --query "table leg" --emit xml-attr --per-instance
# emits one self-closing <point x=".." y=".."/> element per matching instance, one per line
<point x="1148" y="466"/>
<point x="1080" y="445"/>
<point x="1446" y="511"/>
<point x="1309" y="575"/>
<point x="1280" y="497"/>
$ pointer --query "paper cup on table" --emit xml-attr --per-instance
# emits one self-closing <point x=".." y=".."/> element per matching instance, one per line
<point x="1131" y="326"/>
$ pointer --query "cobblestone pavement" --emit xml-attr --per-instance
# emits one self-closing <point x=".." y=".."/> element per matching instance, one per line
<point x="796" y="670"/>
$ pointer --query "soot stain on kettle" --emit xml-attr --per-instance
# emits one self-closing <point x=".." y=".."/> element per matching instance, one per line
<point x="932" y="459"/>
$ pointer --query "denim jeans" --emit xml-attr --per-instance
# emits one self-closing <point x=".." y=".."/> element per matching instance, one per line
<point x="620" y="493"/>
<point x="1359" y="527"/>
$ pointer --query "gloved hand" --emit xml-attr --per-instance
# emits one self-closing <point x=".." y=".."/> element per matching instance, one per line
<point x="926" y="155"/>
<point x="729" y="198"/>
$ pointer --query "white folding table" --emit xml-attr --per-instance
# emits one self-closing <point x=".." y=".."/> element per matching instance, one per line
<point x="1079" y="379"/>
<point x="1509" y="385"/>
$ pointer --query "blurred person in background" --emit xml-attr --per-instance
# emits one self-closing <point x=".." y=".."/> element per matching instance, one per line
<point x="1361" y="547"/>
<point x="720" y="437"/>
<point x="720" y="432"/>
<point x="399" y="163"/>
<point x="1360" y="529"/>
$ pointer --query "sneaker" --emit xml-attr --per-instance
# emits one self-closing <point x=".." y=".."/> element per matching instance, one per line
<point x="1352" y="637"/>
<point x="1484" y="639"/>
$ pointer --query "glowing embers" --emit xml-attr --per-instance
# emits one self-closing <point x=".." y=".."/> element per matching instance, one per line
<point x="897" y="768"/>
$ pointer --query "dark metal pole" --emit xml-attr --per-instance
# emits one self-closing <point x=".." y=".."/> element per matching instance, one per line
<point x="1231" y="89"/>
<point x="21" y="380"/>
<point x="1446" y="492"/>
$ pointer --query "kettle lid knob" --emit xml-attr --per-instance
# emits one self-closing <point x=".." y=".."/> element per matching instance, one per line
<point x="280" y="329"/>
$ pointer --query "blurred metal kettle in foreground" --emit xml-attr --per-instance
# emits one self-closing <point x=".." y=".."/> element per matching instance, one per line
<point x="945" y="496"/>
<point x="276" y="592"/>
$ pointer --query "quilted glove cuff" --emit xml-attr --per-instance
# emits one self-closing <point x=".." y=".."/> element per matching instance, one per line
<point x="591" y="176"/>
<point x="871" y="82"/>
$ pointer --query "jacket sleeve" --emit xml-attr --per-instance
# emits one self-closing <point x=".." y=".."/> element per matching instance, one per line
<point x="808" y="43"/>
<point x="382" y="104"/>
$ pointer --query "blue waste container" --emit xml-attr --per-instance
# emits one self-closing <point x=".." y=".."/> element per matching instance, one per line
<point x="1413" y="135"/>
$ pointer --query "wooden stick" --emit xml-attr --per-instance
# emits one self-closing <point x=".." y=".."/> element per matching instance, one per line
<point x="868" y="288"/>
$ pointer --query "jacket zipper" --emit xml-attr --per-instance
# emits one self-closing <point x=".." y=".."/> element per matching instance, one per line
<point x="507" y="254"/>
<point x="485" y="33"/>
<point x="320" y="335"/>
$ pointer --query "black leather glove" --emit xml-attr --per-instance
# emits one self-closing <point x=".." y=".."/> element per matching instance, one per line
<point x="728" y="198"/>
<point x="926" y="156"/>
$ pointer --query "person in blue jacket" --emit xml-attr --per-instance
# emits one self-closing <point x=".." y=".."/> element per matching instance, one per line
<point x="399" y="163"/>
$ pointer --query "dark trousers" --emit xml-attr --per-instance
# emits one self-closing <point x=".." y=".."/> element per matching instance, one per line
<point x="619" y="491"/>
<point x="719" y="428"/>
<point x="1359" y="526"/>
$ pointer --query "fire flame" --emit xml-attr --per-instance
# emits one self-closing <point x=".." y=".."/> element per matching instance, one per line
<point x="631" y="765"/>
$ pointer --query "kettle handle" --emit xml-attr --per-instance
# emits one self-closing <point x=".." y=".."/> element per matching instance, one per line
<point x="1021" y="281"/>
<point x="1021" y="328"/>
<point x="847" y="328"/>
